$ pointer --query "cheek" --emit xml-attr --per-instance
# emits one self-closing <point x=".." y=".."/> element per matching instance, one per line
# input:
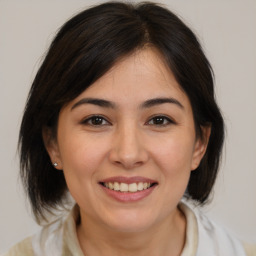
<point x="173" y="158"/>
<point x="79" y="156"/>
<point x="80" y="164"/>
<point x="175" y="155"/>
<point x="83" y="158"/>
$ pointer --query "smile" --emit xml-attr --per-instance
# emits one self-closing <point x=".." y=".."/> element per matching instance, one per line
<point x="124" y="187"/>
<point x="128" y="189"/>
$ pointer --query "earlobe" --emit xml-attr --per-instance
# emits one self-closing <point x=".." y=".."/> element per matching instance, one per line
<point x="52" y="148"/>
<point x="200" y="146"/>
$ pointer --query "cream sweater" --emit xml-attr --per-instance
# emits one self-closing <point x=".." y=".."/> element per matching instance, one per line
<point x="203" y="238"/>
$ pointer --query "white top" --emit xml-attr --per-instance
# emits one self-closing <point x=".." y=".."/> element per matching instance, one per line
<point x="203" y="238"/>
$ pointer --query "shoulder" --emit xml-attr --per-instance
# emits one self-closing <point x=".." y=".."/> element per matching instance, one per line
<point x="213" y="236"/>
<point x="48" y="238"/>
<point x="250" y="249"/>
<point x="55" y="239"/>
<point x="213" y="239"/>
<point x="23" y="248"/>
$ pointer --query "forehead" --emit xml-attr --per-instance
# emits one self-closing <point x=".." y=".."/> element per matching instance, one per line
<point x="137" y="77"/>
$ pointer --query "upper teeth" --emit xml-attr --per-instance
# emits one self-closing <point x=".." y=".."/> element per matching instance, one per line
<point x="124" y="187"/>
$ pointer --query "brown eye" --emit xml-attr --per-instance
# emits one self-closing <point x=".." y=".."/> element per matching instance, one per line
<point x="160" y="120"/>
<point x="96" y="121"/>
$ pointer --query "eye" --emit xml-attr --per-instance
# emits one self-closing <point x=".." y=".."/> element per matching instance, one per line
<point x="160" y="121"/>
<point x="95" y="121"/>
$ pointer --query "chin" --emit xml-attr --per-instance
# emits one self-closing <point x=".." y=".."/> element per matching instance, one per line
<point x="131" y="221"/>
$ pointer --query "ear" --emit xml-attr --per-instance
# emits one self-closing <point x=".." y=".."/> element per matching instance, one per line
<point x="200" y="146"/>
<point x="51" y="145"/>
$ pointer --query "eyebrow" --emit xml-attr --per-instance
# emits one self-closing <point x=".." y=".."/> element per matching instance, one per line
<point x="94" y="101"/>
<point x="158" y="101"/>
<point x="108" y="104"/>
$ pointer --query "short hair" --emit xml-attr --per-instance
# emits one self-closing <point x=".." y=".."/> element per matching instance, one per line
<point x="84" y="49"/>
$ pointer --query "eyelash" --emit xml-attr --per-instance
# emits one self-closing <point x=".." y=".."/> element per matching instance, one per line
<point x="164" y="121"/>
<point x="89" y="120"/>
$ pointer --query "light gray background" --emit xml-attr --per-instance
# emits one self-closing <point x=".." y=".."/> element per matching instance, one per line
<point x="227" y="30"/>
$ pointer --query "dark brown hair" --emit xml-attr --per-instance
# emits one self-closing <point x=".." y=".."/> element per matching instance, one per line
<point x="84" y="49"/>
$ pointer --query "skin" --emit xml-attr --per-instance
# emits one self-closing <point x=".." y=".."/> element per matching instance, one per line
<point x="129" y="141"/>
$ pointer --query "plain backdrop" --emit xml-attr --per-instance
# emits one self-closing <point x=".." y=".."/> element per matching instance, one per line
<point x="227" y="31"/>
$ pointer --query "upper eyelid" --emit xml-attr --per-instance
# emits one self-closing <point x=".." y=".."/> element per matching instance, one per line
<point x="86" y="119"/>
<point x="163" y="116"/>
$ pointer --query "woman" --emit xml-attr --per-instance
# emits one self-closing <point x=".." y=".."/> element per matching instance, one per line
<point x="122" y="116"/>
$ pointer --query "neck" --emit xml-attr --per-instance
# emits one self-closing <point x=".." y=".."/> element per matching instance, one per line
<point x="166" y="238"/>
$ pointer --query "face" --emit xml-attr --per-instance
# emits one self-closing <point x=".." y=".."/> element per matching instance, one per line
<point x="127" y="145"/>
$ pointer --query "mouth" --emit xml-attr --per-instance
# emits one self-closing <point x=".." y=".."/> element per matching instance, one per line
<point x="128" y="187"/>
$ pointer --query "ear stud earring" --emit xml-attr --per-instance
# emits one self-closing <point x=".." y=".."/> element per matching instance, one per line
<point x="55" y="164"/>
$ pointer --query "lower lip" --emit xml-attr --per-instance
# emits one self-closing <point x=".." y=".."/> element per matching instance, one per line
<point x="128" y="196"/>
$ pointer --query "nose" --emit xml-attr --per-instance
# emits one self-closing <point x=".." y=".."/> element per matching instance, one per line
<point x="128" y="148"/>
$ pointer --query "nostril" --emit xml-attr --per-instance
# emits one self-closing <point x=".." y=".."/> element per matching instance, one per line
<point x="128" y="154"/>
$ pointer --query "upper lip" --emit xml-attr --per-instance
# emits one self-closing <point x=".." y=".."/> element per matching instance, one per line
<point x="128" y="180"/>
